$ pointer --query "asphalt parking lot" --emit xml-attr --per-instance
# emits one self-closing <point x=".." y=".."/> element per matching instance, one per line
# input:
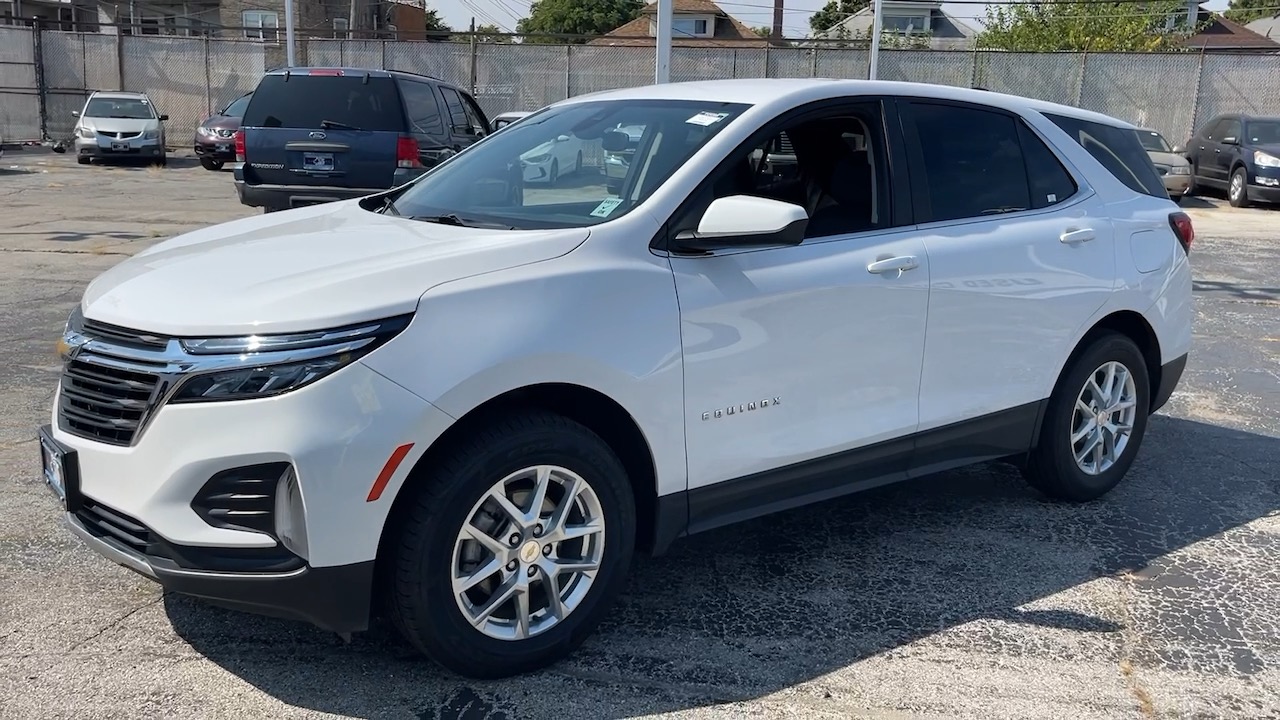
<point x="965" y="595"/>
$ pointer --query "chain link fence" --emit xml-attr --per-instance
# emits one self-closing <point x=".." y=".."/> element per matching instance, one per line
<point x="45" y="74"/>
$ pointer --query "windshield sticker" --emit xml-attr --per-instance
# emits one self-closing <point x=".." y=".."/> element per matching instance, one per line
<point x="707" y="118"/>
<point x="606" y="207"/>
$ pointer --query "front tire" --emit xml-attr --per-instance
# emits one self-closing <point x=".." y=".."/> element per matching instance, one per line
<point x="513" y="547"/>
<point x="211" y="164"/>
<point x="1094" y="423"/>
<point x="1238" y="188"/>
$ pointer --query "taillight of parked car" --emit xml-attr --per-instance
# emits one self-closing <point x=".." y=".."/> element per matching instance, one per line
<point x="240" y="146"/>
<point x="407" y="153"/>
<point x="1181" y="224"/>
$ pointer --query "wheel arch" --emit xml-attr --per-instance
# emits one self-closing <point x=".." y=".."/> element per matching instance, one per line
<point x="1132" y="325"/>
<point x="591" y="408"/>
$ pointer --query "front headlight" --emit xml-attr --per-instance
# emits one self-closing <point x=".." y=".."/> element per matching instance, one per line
<point x="1180" y="170"/>
<point x="537" y="159"/>
<point x="259" y="366"/>
<point x="1262" y="159"/>
<point x="151" y="135"/>
<point x="202" y="130"/>
<point x="86" y="133"/>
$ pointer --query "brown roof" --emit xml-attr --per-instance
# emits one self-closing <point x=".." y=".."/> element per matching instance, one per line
<point x="729" y="31"/>
<point x="1226" y="34"/>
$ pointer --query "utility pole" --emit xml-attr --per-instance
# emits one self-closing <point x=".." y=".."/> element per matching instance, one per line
<point x="876" y="29"/>
<point x="662" y="63"/>
<point x="777" y="20"/>
<point x="288" y="33"/>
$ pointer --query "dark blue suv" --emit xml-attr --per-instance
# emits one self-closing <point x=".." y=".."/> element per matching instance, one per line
<point x="1239" y="154"/>
<point x="314" y="135"/>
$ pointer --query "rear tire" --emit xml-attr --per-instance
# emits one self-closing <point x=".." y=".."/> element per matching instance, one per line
<point x="508" y="566"/>
<point x="1055" y="467"/>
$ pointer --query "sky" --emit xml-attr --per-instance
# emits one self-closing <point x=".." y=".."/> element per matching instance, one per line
<point x="795" y="21"/>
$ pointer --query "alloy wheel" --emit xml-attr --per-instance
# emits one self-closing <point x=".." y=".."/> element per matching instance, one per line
<point x="528" y="552"/>
<point x="1103" y="419"/>
<point x="1237" y="185"/>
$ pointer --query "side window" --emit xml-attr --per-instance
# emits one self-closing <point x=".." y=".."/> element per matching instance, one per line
<point x="475" y="116"/>
<point x="1230" y="128"/>
<point x="1118" y="150"/>
<point x="1050" y="182"/>
<point x="834" y="167"/>
<point x="422" y="107"/>
<point x="1212" y="131"/>
<point x="973" y="161"/>
<point x="457" y="114"/>
<point x="236" y="109"/>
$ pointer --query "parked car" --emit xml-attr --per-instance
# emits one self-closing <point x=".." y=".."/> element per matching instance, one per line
<point x="1239" y="154"/>
<point x="119" y="126"/>
<point x="1173" y="168"/>
<point x="502" y="120"/>
<point x="475" y="404"/>
<point x="548" y="162"/>
<point x="314" y="135"/>
<point x="215" y="142"/>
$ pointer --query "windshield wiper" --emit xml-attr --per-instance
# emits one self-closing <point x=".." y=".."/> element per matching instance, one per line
<point x="331" y="124"/>
<point x="389" y="207"/>
<point x="452" y="219"/>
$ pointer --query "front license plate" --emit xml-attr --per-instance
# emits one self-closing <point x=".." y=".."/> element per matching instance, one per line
<point x="53" y="463"/>
<point x="319" y="162"/>
<point x="224" y="148"/>
<point x="119" y="147"/>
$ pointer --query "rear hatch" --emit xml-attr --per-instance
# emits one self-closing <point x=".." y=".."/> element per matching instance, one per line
<point x="330" y="128"/>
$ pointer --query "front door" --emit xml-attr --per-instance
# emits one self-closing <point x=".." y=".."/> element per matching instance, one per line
<point x="809" y="351"/>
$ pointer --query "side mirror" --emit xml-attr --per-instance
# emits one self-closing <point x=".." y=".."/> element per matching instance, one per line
<point x="75" y="113"/>
<point x="747" y="221"/>
<point x="562" y="138"/>
<point x="1178" y="149"/>
<point x="614" y="141"/>
<point x="164" y="118"/>
<point x="1231" y="140"/>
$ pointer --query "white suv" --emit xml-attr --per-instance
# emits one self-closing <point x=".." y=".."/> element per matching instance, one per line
<point x="467" y="402"/>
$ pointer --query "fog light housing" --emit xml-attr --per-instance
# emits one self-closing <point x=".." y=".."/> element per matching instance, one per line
<point x="291" y="514"/>
<point x="1270" y="181"/>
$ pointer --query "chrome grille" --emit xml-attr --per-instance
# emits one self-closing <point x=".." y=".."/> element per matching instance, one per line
<point x="223" y="132"/>
<point x="119" y="135"/>
<point x="123" y="336"/>
<point x="103" y="403"/>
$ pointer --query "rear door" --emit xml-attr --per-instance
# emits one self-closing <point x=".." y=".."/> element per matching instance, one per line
<point x="464" y="127"/>
<point x="428" y="123"/>
<point x="323" y="128"/>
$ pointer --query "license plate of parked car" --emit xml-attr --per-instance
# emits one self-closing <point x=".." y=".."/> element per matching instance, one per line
<point x="120" y="147"/>
<point x="317" y="161"/>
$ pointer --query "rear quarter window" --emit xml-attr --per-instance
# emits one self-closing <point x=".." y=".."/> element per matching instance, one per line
<point x="303" y="101"/>
<point x="1118" y="150"/>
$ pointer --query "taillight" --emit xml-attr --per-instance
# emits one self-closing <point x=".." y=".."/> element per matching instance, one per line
<point x="240" y="146"/>
<point x="1181" y="224"/>
<point x="407" y="153"/>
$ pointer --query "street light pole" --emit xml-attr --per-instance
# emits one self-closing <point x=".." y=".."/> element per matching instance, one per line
<point x="662" y="63"/>
<point x="875" y="39"/>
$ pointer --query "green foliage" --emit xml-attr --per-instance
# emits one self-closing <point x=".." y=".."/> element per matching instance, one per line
<point x="434" y="23"/>
<point x="577" y="17"/>
<point x="763" y="31"/>
<point x="833" y="12"/>
<point x="1246" y="11"/>
<point x="491" y="34"/>
<point x="1076" y="26"/>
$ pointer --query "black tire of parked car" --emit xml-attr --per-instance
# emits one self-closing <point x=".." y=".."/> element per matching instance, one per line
<point x="82" y="160"/>
<point x="1051" y="467"/>
<point x="209" y="163"/>
<point x="418" y="577"/>
<point x="1240" y="199"/>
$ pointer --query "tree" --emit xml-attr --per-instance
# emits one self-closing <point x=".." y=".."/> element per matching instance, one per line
<point x="1246" y="11"/>
<point x="833" y="12"/>
<point x="1075" y="26"/>
<point x="435" y="27"/>
<point x="491" y="34"/>
<point x="577" y="17"/>
<point x="763" y="31"/>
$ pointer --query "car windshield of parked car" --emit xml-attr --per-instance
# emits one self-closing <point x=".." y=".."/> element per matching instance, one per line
<point x="1264" y="132"/>
<point x="236" y="109"/>
<point x="125" y="108"/>
<point x="571" y="166"/>
<point x="1153" y="142"/>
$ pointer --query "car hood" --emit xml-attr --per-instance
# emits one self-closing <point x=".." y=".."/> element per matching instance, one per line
<point x="307" y="269"/>
<point x="1170" y="159"/>
<point x="120" y="125"/>
<point x="1272" y="149"/>
<point x="222" y="122"/>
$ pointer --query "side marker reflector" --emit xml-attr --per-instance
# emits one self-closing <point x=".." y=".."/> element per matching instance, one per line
<point x="393" y="463"/>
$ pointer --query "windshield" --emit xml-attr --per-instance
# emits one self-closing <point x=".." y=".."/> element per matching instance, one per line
<point x="570" y="166"/>
<point x="130" y="108"/>
<point x="1153" y="141"/>
<point x="1264" y="132"/>
<point x="236" y="109"/>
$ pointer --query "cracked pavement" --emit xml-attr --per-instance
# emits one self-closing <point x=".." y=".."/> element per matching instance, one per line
<point x="963" y="595"/>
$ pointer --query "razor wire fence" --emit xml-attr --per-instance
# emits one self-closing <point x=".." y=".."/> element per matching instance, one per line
<point x="46" y="74"/>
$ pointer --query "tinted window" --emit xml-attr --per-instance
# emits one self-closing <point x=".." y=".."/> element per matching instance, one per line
<point x="305" y="101"/>
<point x="1050" y="182"/>
<point x="1118" y="150"/>
<point x="973" y="161"/>
<point x="125" y="108"/>
<point x="503" y="181"/>
<point x="1263" y="132"/>
<point x="236" y="109"/>
<point x="1228" y="129"/>
<point x="457" y="115"/>
<point x="423" y="108"/>
<point x="474" y="116"/>
<point x="1153" y="141"/>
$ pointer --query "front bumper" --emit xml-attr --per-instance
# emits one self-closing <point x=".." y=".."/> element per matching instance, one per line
<point x="120" y="148"/>
<point x="223" y="149"/>
<point x="1176" y="185"/>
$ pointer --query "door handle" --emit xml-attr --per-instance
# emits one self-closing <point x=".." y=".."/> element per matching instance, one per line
<point x="1077" y="235"/>
<point x="893" y="264"/>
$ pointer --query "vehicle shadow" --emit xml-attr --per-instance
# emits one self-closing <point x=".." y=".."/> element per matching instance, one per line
<point x="756" y="608"/>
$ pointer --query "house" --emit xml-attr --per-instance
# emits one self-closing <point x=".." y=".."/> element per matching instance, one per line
<point x="694" y="23"/>
<point x="1266" y="27"/>
<point x="923" y="19"/>
<point x="1219" y="34"/>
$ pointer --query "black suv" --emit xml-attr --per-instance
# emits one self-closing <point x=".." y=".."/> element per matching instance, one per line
<point x="1239" y="154"/>
<point x="314" y="135"/>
